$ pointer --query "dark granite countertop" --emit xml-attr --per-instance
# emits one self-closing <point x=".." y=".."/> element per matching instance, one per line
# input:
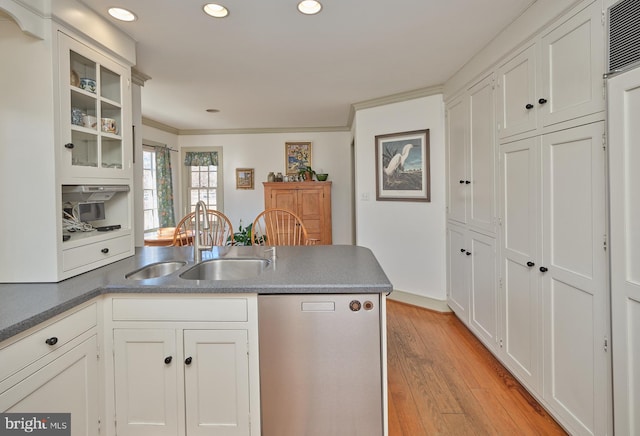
<point x="324" y="269"/>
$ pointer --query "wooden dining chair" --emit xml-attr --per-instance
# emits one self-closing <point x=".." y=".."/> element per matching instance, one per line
<point x="279" y="227"/>
<point x="220" y="230"/>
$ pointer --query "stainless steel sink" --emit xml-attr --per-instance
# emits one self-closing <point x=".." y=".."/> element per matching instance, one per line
<point x="155" y="270"/>
<point x="226" y="269"/>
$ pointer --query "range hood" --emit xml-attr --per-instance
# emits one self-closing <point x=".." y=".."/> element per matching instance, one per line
<point x="92" y="192"/>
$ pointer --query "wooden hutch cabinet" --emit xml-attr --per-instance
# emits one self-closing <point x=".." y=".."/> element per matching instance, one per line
<point x="311" y="201"/>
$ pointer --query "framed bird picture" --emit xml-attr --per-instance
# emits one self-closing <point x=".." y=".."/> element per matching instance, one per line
<point x="402" y="166"/>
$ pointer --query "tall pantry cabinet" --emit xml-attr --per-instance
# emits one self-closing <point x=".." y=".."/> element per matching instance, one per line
<point x="67" y="141"/>
<point x="548" y="222"/>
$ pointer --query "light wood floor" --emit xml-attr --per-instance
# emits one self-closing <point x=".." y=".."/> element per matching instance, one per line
<point x="442" y="381"/>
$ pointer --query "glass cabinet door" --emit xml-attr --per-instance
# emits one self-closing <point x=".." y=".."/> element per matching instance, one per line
<point x="92" y="112"/>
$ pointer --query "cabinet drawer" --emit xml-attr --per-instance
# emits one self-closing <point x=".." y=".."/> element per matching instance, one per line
<point x="33" y="347"/>
<point x="96" y="252"/>
<point x="168" y="309"/>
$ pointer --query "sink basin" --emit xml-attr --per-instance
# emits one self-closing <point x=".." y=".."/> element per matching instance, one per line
<point x="155" y="270"/>
<point x="226" y="269"/>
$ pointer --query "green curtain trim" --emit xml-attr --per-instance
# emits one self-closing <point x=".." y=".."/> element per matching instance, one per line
<point x="164" y="187"/>
<point x="200" y="158"/>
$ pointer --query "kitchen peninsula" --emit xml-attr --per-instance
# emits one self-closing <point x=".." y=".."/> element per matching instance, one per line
<point x="171" y="328"/>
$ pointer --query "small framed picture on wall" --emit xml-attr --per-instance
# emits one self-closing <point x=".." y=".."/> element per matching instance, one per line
<point x="244" y="178"/>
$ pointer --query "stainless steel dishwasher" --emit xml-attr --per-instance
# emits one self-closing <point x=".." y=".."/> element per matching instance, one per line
<point x="320" y="365"/>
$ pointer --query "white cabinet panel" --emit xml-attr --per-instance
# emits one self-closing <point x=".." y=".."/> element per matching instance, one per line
<point x="483" y="287"/>
<point x="482" y="155"/>
<point x="457" y="288"/>
<point x="145" y="382"/>
<point x="572" y="65"/>
<point x="68" y="384"/>
<point x="624" y="180"/>
<point x="520" y="228"/>
<point x="457" y="134"/>
<point x="517" y="94"/>
<point x="217" y="382"/>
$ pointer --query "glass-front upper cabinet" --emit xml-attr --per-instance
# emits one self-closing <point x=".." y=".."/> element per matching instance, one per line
<point x="95" y="115"/>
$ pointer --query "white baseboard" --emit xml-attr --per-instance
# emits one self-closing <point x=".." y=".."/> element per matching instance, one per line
<point x="420" y="301"/>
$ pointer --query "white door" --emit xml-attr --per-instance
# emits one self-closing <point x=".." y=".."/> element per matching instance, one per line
<point x="573" y="271"/>
<point x="457" y="186"/>
<point x="624" y="185"/>
<point x="457" y="259"/>
<point x="572" y="65"/>
<point x="519" y="254"/>
<point x="146" y="386"/>
<point x="216" y="377"/>
<point x="69" y="384"/>
<point x="483" y="315"/>
<point x="517" y="94"/>
<point x="482" y="155"/>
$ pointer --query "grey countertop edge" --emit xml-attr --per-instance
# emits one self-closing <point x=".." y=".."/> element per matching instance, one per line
<point x="105" y="280"/>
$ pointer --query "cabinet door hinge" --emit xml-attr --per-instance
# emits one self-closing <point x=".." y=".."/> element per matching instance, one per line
<point x="99" y="422"/>
<point x="500" y="282"/>
<point x="603" y="17"/>
<point x="500" y="343"/>
<point x="604" y="242"/>
<point x="606" y="344"/>
<point x="604" y="141"/>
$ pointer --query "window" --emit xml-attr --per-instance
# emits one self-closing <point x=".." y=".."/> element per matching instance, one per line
<point x="203" y="182"/>
<point x="150" y="202"/>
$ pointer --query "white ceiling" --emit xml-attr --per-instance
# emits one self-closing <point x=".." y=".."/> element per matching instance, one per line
<point x="267" y="66"/>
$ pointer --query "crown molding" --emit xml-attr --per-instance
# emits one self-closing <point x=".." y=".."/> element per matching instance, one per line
<point x="395" y="98"/>
<point x="157" y="125"/>
<point x="138" y="77"/>
<point x="258" y="130"/>
<point x="381" y="101"/>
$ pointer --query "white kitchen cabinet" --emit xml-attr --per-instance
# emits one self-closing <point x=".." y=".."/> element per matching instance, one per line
<point x="554" y="279"/>
<point x="185" y="366"/>
<point x="161" y="387"/>
<point x="573" y="274"/>
<point x="554" y="78"/>
<point x="471" y="157"/>
<point x="457" y="272"/>
<point x="472" y="289"/>
<point x="520" y="296"/>
<point x="95" y="114"/>
<point x="624" y="198"/>
<point x="38" y="169"/>
<point x="54" y="369"/>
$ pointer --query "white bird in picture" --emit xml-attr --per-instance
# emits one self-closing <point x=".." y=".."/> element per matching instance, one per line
<point x="397" y="161"/>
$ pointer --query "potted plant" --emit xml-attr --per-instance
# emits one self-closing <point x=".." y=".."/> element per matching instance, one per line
<point x="243" y="236"/>
<point x="307" y="173"/>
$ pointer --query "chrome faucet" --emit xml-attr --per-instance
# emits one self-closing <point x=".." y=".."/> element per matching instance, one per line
<point x="273" y="253"/>
<point x="198" y="247"/>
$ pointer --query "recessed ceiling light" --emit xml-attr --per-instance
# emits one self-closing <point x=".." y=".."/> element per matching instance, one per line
<point x="122" y="14"/>
<point x="215" y="10"/>
<point x="309" y="7"/>
<point x="213" y="111"/>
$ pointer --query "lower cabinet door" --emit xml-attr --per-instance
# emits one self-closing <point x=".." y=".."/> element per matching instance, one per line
<point x="216" y="378"/>
<point x="69" y="384"/>
<point x="146" y="382"/>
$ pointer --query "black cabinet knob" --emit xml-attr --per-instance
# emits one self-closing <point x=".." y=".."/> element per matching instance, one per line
<point x="468" y="253"/>
<point x="51" y="341"/>
<point x="530" y="264"/>
<point x="69" y="145"/>
<point x="168" y="359"/>
<point x="543" y="269"/>
<point x="542" y="101"/>
<point x="528" y="106"/>
<point x="188" y="360"/>
<point x="462" y="182"/>
<point x="467" y="182"/>
<point x="462" y="250"/>
<point x="105" y="250"/>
